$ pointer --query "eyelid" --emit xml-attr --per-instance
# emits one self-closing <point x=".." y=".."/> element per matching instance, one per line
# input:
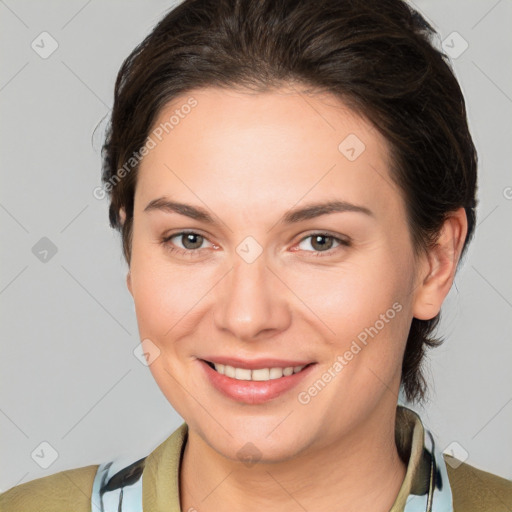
<point x="185" y="231"/>
<point x="337" y="236"/>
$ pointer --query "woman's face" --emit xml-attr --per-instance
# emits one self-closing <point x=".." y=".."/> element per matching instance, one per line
<point x="267" y="281"/>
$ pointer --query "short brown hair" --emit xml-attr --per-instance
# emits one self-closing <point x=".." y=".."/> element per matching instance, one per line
<point x="375" y="55"/>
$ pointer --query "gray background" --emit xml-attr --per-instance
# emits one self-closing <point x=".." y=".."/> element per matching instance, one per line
<point x="67" y="370"/>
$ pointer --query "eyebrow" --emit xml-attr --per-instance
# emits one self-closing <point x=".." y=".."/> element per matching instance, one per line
<point x="294" y="215"/>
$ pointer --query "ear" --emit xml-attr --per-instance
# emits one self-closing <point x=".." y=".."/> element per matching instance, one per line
<point x="129" y="282"/>
<point x="438" y="266"/>
<point x="122" y="215"/>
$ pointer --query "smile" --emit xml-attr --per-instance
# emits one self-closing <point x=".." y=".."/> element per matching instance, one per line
<point x="255" y="385"/>
<point x="260" y="374"/>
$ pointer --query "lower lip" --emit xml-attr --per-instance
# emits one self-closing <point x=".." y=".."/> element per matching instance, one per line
<point x="250" y="391"/>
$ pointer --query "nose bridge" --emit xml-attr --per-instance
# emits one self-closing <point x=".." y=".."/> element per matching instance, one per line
<point x="250" y="300"/>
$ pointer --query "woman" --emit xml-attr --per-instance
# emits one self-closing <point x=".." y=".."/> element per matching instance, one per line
<point x="295" y="185"/>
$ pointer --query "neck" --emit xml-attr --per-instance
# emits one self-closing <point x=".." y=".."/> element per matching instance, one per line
<point x="361" y="471"/>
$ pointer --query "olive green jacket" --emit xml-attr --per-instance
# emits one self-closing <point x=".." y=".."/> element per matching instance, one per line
<point x="83" y="490"/>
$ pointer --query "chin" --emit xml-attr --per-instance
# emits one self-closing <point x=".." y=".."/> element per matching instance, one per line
<point x="258" y="440"/>
<point x="259" y="450"/>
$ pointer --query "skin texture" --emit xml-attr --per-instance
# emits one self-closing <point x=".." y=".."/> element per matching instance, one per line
<point x="247" y="159"/>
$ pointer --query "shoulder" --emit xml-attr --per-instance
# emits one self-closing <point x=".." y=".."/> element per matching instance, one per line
<point x="67" y="491"/>
<point x="72" y="490"/>
<point x="475" y="490"/>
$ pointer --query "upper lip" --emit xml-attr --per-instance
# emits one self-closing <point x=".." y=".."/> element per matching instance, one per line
<point x="255" y="364"/>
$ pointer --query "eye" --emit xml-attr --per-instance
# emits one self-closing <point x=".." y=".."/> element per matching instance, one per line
<point x="190" y="243"/>
<point x="323" y="243"/>
<point x="185" y="242"/>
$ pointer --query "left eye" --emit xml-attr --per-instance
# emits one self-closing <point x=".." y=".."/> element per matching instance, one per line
<point x="322" y="242"/>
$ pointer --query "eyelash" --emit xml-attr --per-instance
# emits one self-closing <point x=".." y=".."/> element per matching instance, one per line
<point x="192" y="252"/>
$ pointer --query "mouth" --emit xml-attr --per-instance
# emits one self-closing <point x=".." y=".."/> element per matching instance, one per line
<point x="256" y="374"/>
<point x="257" y="384"/>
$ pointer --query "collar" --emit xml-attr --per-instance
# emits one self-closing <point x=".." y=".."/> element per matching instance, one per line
<point x="426" y="487"/>
<point x="154" y="480"/>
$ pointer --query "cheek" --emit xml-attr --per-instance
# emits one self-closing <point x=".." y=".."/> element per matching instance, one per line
<point x="167" y="302"/>
<point x="353" y="297"/>
<point x="367" y="311"/>
<point x="367" y="308"/>
<point x="154" y="305"/>
<point x="168" y="298"/>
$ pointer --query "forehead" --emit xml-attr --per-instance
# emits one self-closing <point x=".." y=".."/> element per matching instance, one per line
<point x="274" y="148"/>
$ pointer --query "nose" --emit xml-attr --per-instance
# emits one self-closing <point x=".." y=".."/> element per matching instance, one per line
<point x="252" y="301"/>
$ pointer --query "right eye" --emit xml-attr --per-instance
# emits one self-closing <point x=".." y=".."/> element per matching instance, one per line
<point x="190" y="241"/>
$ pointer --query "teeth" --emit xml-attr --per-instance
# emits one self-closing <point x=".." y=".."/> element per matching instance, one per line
<point x="275" y="373"/>
<point x="242" y="374"/>
<point x="261" y="374"/>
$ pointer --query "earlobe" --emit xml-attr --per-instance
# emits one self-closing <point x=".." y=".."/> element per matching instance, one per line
<point x="122" y="215"/>
<point x="439" y="266"/>
<point x="129" y="282"/>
